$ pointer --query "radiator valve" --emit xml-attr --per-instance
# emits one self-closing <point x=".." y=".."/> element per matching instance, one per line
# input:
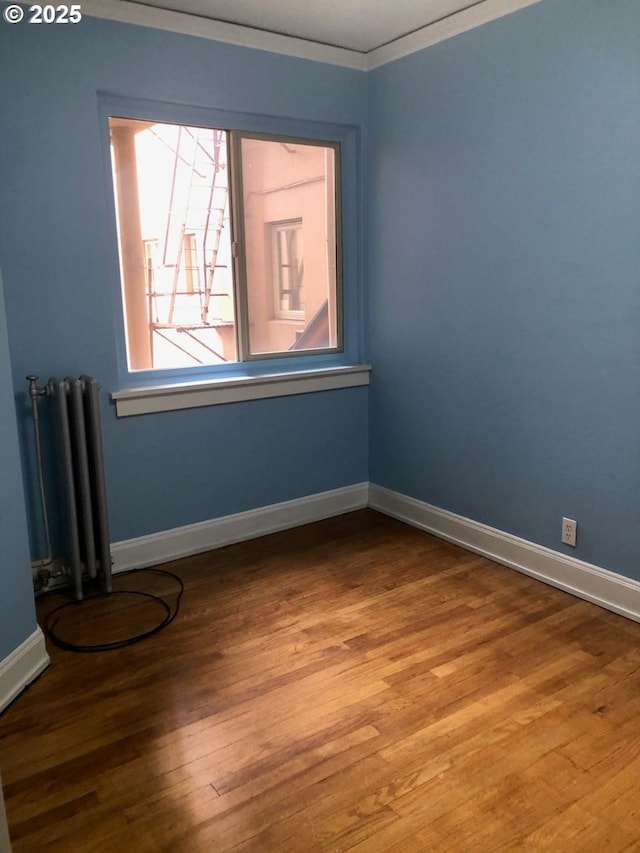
<point x="42" y="578"/>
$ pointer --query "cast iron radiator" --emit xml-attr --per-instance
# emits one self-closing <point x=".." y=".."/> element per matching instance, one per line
<point x="78" y="433"/>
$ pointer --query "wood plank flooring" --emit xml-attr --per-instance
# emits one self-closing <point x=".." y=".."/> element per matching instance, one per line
<point x="351" y="685"/>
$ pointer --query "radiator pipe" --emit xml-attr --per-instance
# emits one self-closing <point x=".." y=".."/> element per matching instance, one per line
<point x="35" y="393"/>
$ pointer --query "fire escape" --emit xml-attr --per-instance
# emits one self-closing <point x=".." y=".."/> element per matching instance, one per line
<point x="186" y="292"/>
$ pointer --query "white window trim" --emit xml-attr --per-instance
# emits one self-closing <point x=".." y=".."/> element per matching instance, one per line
<point x="213" y="392"/>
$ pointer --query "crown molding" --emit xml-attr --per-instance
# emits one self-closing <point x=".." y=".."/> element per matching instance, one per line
<point x="479" y="13"/>
<point x="192" y="25"/>
<point x="446" y="28"/>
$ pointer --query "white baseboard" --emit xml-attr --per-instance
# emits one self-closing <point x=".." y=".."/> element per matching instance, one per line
<point x="584" y="580"/>
<point x="22" y="666"/>
<point x="206" y="535"/>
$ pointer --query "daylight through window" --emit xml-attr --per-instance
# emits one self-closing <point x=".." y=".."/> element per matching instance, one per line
<point x="229" y="244"/>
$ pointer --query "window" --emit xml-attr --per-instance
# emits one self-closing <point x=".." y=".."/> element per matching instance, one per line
<point x="230" y="246"/>
<point x="288" y="269"/>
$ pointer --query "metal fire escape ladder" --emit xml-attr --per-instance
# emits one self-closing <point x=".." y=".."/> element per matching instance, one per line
<point x="187" y="210"/>
<point x="207" y="219"/>
<point x="217" y="211"/>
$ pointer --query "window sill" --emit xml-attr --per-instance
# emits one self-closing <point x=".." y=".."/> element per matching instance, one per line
<point x="214" y="392"/>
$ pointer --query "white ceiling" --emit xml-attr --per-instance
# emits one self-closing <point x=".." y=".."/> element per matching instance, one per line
<point x="361" y="25"/>
<point x="357" y="33"/>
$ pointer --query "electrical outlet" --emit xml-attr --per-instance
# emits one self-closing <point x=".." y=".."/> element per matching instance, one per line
<point x="569" y="531"/>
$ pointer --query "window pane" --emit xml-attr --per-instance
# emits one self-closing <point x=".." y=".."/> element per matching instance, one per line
<point x="175" y="248"/>
<point x="289" y="222"/>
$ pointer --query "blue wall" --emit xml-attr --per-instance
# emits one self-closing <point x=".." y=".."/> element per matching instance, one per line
<point x="60" y="268"/>
<point x="503" y="299"/>
<point x="504" y="293"/>
<point x="17" y="611"/>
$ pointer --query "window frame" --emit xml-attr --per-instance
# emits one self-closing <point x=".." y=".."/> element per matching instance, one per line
<point x="238" y="236"/>
<point x="349" y="209"/>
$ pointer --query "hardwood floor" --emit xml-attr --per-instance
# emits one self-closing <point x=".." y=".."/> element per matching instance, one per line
<point x="351" y="685"/>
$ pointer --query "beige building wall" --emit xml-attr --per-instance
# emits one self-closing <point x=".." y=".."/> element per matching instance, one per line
<point x="284" y="182"/>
